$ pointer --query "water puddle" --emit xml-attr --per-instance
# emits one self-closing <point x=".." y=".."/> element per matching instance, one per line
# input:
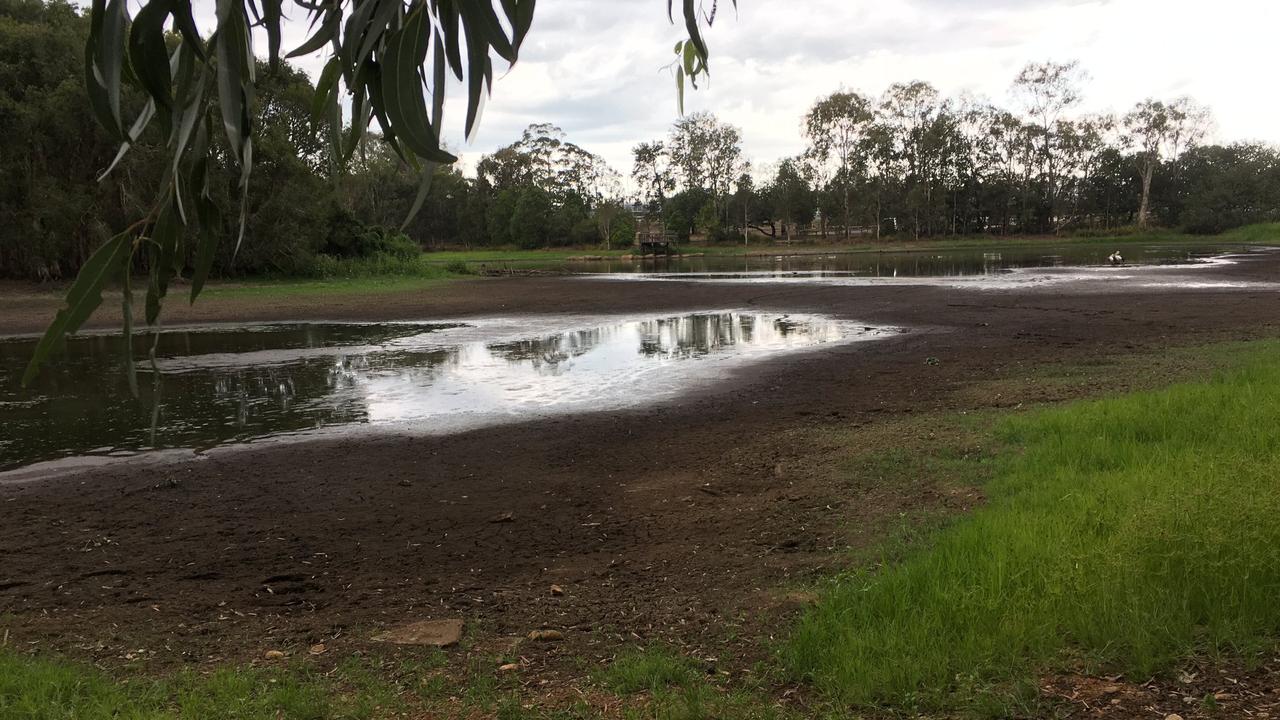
<point x="222" y="385"/>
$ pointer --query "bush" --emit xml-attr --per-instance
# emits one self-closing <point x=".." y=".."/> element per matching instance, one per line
<point x="380" y="241"/>
<point x="1115" y="232"/>
<point x="725" y="236"/>
<point x="350" y="238"/>
<point x="1200" y="220"/>
<point x="584" y="232"/>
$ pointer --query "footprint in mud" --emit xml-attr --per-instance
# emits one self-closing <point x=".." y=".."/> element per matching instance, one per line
<point x="282" y="585"/>
<point x="103" y="573"/>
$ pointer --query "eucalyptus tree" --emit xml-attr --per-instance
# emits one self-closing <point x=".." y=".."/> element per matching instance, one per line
<point x="743" y="201"/>
<point x="652" y="173"/>
<point x="877" y="147"/>
<point x="706" y="154"/>
<point x="1084" y="143"/>
<point x="910" y="111"/>
<point x="836" y="128"/>
<point x="585" y="174"/>
<point x="389" y="62"/>
<point x="1047" y="90"/>
<point x="1156" y="130"/>
<point x="505" y="168"/>
<point x="791" y="194"/>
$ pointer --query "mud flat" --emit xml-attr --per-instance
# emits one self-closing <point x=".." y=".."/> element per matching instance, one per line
<point x="658" y="520"/>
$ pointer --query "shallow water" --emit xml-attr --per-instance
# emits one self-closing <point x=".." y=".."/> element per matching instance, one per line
<point x="904" y="264"/>
<point x="223" y="385"/>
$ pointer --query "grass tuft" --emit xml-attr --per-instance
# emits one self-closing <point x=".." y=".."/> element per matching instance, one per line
<point x="652" y="669"/>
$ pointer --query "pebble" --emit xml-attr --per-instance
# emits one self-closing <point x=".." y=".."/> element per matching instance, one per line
<point x="274" y="655"/>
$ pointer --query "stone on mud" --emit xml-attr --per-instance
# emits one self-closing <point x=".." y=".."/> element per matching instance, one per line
<point x="435" y="633"/>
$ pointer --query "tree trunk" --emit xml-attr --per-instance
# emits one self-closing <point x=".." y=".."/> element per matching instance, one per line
<point x="1145" y="208"/>
<point x="879" y="221"/>
<point x="846" y="214"/>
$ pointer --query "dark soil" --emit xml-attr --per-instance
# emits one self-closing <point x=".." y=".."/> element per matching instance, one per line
<point x="686" y="522"/>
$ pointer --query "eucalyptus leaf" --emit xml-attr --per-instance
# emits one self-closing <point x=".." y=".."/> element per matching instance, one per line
<point x="82" y="299"/>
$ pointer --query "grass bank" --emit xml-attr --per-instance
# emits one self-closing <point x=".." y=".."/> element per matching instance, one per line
<point x="332" y="276"/>
<point x="1120" y="536"/>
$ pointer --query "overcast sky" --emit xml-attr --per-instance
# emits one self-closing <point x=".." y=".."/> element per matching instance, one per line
<point x="597" y="68"/>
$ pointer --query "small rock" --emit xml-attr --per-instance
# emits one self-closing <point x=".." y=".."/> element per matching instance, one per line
<point x="1173" y="716"/>
<point x="508" y="667"/>
<point x="318" y="649"/>
<point x="1111" y="689"/>
<point x="546" y="635"/>
<point x="435" y="633"/>
<point x="557" y="590"/>
<point x="1222" y="696"/>
<point x="274" y="655"/>
<point x="505" y="517"/>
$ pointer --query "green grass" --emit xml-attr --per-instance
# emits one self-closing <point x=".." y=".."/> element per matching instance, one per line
<point x="660" y="685"/>
<point x="1261" y="233"/>
<point x="653" y="669"/>
<point x="518" y="255"/>
<point x="676" y="687"/>
<point x="1120" y="535"/>
<point x="45" y="689"/>
<point x="267" y="289"/>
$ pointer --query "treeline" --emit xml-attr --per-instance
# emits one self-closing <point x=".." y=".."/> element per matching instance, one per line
<point x="910" y="162"/>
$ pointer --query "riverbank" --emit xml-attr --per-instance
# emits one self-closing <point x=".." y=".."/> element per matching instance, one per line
<point x="1266" y="234"/>
<point x="675" y="533"/>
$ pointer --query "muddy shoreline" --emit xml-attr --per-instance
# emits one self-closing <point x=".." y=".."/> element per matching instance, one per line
<point x="670" y="521"/>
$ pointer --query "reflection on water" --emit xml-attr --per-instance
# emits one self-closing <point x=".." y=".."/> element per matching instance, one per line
<point x="223" y="385"/>
<point x="909" y="264"/>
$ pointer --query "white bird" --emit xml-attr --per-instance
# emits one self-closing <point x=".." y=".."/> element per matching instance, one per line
<point x="1115" y="258"/>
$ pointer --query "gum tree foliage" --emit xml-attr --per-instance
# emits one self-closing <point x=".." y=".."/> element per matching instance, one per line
<point x="544" y="158"/>
<point x="544" y="165"/>
<point x="836" y="128"/>
<point x="1155" y="130"/>
<point x="1047" y="91"/>
<point x="706" y="156"/>
<point x="390" y="61"/>
<point x="790" y="194"/>
<point x="652" y="173"/>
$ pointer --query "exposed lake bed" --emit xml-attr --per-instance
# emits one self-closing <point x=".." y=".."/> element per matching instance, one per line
<point x="690" y="505"/>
